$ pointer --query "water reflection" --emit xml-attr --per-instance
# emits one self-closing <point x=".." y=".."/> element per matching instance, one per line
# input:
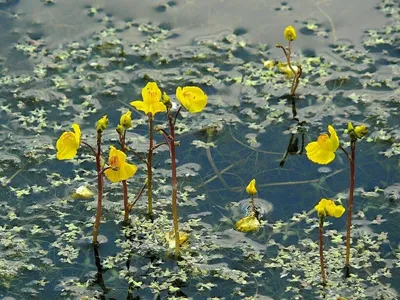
<point x="298" y="130"/>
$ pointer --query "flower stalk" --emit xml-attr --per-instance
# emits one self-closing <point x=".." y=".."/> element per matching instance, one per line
<point x="99" y="188"/>
<point x="149" y="168"/>
<point x="350" y="206"/>
<point x="321" y="249"/>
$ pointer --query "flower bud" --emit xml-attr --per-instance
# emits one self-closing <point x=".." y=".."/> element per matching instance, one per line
<point x="251" y="188"/>
<point x="289" y="33"/>
<point x="102" y="124"/>
<point x="361" y="131"/>
<point x="126" y="120"/>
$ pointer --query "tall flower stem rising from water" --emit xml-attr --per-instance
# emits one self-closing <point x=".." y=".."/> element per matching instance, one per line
<point x="355" y="133"/>
<point x="100" y="127"/>
<point x="321" y="249"/>
<point x="290" y="35"/>
<point x="150" y="105"/>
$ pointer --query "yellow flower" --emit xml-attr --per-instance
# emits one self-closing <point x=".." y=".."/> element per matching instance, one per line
<point x="327" y="207"/>
<point x="151" y="95"/>
<point x="361" y="131"/>
<point x="126" y="120"/>
<point x="289" y="33"/>
<point x="82" y="192"/>
<point x="323" y="150"/>
<point x="284" y="68"/>
<point x="68" y="143"/>
<point x="120" y="169"/>
<point x="192" y="98"/>
<point x="251" y="188"/>
<point x="183" y="239"/>
<point x="102" y="124"/>
<point x="247" y="224"/>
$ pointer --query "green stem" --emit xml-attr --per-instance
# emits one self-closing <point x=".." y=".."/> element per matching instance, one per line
<point x="321" y="249"/>
<point x="99" y="189"/>
<point x="149" y="168"/>
<point x="350" y="206"/>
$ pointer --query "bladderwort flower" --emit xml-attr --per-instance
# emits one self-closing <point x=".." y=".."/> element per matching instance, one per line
<point x="327" y="207"/>
<point x="324" y="208"/>
<point x="290" y="33"/>
<point x="119" y="169"/>
<point x="68" y="143"/>
<point x="151" y="102"/>
<point x="323" y="150"/>
<point x="192" y="98"/>
<point x="251" y="187"/>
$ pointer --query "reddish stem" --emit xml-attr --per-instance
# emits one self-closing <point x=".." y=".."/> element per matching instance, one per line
<point x="350" y="206"/>
<point x="149" y="168"/>
<point x="127" y="207"/>
<point x="99" y="189"/>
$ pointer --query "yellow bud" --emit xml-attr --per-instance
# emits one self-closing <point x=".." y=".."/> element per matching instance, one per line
<point x="350" y="127"/>
<point x="102" y="124"/>
<point x="251" y="188"/>
<point x="361" y="131"/>
<point x="126" y="120"/>
<point x="165" y="99"/>
<point x="120" y="129"/>
<point x="289" y="33"/>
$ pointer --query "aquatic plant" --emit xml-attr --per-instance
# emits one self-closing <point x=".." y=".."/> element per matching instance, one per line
<point x="194" y="100"/>
<point x="117" y="170"/>
<point x="250" y="222"/>
<point x="326" y="208"/>
<point x="290" y="35"/>
<point x="151" y="105"/>
<point x="323" y="151"/>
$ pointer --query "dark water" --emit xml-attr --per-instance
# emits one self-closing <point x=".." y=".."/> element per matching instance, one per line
<point x="74" y="61"/>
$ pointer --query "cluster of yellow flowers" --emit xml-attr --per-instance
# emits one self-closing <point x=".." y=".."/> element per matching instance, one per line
<point x="191" y="97"/>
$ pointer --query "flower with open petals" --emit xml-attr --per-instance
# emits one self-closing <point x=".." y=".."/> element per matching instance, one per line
<point x="68" y="143"/>
<point x="323" y="150"/>
<point x="290" y="33"/>
<point x="327" y="207"/>
<point x="192" y="98"/>
<point x="151" y="102"/>
<point x="119" y="169"/>
<point x="251" y="188"/>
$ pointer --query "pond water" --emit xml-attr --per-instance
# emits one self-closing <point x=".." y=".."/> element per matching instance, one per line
<point x="64" y="62"/>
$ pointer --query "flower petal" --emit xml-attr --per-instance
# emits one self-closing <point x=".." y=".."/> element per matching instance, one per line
<point x="334" y="137"/>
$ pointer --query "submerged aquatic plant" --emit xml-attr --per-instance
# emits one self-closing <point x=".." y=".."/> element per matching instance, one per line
<point x="290" y="35"/>
<point x="323" y="152"/>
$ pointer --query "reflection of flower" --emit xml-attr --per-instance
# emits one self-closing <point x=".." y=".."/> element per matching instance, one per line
<point x="247" y="224"/>
<point x="323" y="150"/>
<point x="183" y="239"/>
<point x="251" y="188"/>
<point x="327" y="207"/>
<point x="126" y="120"/>
<point x="151" y="95"/>
<point x="119" y="169"/>
<point x="192" y="98"/>
<point x="289" y="33"/>
<point x="68" y="143"/>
